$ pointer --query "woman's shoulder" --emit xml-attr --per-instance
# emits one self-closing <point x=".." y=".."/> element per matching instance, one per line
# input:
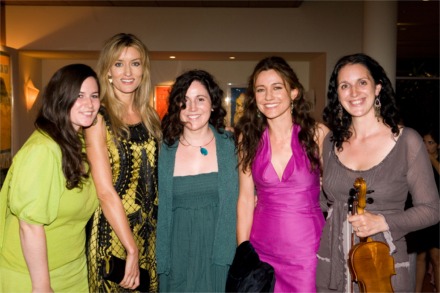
<point x="40" y="139"/>
<point x="228" y="133"/>
<point x="409" y="132"/>
<point x="38" y="147"/>
<point x="321" y="131"/>
<point x="410" y="136"/>
<point x="227" y="137"/>
<point x="409" y="143"/>
<point x="225" y="142"/>
<point x="224" y="133"/>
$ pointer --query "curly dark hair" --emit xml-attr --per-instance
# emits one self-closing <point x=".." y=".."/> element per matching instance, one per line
<point x="172" y="127"/>
<point x="340" y="126"/>
<point x="53" y="118"/>
<point x="250" y="127"/>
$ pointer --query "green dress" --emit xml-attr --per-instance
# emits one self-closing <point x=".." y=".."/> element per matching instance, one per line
<point x="134" y="169"/>
<point x="35" y="192"/>
<point x="194" y="218"/>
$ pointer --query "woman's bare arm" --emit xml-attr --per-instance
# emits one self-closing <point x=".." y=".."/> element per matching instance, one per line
<point x="110" y="201"/>
<point x="33" y="245"/>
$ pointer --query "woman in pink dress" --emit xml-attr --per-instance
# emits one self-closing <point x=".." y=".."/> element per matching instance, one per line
<point x="279" y="173"/>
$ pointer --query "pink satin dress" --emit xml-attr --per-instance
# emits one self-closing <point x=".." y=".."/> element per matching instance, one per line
<point x="288" y="220"/>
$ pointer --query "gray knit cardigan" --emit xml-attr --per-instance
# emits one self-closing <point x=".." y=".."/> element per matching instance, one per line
<point x="225" y="231"/>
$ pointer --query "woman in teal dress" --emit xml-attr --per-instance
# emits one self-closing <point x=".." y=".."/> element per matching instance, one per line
<point x="48" y="195"/>
<point x="198" y="189"/>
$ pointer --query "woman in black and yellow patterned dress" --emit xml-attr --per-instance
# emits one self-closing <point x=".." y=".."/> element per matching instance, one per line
<point x="122" y="148"/>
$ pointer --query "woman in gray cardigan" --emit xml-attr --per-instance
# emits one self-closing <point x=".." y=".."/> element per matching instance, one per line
<point x="198" y="189"/>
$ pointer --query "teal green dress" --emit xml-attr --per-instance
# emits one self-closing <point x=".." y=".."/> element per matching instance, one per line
<point x="196" y="236"/>
<point x="194" y="213"/>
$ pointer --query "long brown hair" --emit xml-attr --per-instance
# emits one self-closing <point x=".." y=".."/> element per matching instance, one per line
<point x="250" y="127"/>
<point x="53" y="118"/>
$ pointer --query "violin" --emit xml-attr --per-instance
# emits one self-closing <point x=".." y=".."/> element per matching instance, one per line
<point x="370" y="262"/>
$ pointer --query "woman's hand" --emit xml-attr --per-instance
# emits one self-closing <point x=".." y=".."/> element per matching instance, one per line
<point x="368" y="224"/>
<point x="131" y="278"/>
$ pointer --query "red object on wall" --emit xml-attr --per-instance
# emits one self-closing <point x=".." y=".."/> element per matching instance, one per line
<point x="161" y="94"/>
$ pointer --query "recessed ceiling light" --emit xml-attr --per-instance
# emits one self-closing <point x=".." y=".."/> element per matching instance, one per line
<point x="172" y="57"/>
<point x="232" y="57"/>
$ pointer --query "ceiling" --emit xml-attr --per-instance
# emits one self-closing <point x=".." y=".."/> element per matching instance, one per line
<point x="417" y="23"/>
<point x="161" y="3"/>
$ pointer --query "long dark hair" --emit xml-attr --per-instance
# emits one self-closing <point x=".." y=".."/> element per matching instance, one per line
<point x="250" y="127"/>
<point x="340" y="125"/>
<point x="53" y="118"/>
<point x="172" y="127"/>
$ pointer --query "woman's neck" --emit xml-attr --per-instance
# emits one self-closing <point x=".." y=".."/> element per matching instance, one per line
<point x="279" y="129"/>
<point x="364" y="127"/>
<point x="198" y="137"/>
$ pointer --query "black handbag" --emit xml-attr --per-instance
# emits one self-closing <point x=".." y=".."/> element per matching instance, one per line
<point x="247" y="273"/>
<point x="113" y="269"/>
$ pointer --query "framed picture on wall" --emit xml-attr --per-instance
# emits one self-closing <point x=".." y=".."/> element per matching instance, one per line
<point x="161" y="93"/>
<point x="236" y="93"/>
<point x="5" y="114"/>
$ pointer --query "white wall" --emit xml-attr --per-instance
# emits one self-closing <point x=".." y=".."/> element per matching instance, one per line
<point x="334" y="28"/>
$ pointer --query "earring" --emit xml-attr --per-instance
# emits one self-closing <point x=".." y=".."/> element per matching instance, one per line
<point x="377" y="106"/>
<point x="110" y="79"/>
<point x="258" y="113"/>
<point x="291" y="108"/>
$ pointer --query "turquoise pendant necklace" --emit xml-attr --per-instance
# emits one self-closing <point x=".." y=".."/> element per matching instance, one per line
<point x="203" y="150"/>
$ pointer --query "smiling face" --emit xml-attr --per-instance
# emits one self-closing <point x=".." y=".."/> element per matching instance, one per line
<point x="86" y="106"/>
<point x="126" y="72"/>
<point x="198" y="107"/>
<point x="272" y="97"/>
<point x="357" y="90"/>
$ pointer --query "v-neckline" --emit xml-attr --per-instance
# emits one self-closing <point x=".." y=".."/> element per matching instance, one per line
<point x="280" y="179"/>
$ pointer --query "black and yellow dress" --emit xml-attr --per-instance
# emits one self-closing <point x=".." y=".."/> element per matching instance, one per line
<point x="134" y="168"/>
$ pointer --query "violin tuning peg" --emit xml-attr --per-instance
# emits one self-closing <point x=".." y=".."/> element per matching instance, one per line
<point x="352" y="192"/>
<point x="370" y="200"/>
<point x="370" y="191"/>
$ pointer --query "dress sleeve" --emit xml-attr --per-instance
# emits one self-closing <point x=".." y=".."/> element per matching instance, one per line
<point x="421" y="184"/>
<point x="36" y="185"/>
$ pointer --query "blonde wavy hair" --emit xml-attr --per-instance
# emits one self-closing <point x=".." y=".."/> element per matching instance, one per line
<point x="109" y="54"/>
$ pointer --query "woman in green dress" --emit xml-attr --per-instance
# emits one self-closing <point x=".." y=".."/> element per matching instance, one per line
<point x="122" y="150"/>
<point x="48" y="195"/>
<point x="198" y="189"/>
